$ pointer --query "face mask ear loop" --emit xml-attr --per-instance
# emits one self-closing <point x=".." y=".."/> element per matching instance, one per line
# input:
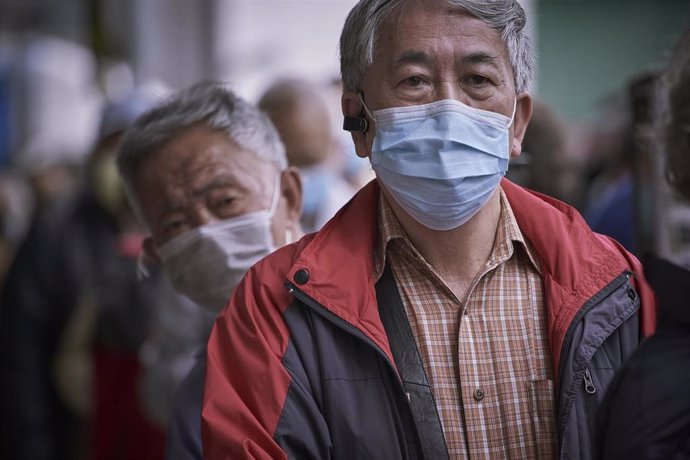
<point x="142" y="269"/>
<point x="276" y="196"/>
<point x="512" y="117"/>
<point x="366" y="109"/>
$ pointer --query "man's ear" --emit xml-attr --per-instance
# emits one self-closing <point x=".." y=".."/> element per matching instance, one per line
<point x="352" y="107"/>
<point x="291" y="190"/>
<point x="523" y="114"/>
<point x="150" y="249"/>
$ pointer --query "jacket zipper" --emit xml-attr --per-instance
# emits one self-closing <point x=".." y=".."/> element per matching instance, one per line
<point x="567" y="340"/>
<point x="590" y="401"/>
<point x="341" y="323"/>
<point x="589" y="384"/>
<point x="591" y="303"/>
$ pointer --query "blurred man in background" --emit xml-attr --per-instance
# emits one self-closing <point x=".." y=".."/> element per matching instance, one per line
<point x="301" y="117"/>
<point x="544" y="165"/>
<point x="207" y="174"/>
<point x="608" y="206"/>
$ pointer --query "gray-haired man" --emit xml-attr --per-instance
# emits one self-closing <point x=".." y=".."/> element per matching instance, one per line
<point x="444" y="312"/>
<point x="207" y="174"/>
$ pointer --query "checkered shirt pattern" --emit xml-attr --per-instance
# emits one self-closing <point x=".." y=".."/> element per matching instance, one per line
<point x="487" y="360"/>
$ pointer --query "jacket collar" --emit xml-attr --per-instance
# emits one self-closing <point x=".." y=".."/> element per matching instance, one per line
<point x="575" y="262"/>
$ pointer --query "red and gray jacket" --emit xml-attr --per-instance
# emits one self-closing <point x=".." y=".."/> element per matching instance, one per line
<point x="300" y="364"/>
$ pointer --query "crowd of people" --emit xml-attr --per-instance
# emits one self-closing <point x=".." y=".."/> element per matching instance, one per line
<point x="222" y="285"/>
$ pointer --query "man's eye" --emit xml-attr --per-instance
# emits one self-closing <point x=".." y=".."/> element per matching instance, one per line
<point x="414" y="81"/>
<point x="478" y="80"/>
<point x="174" y="227"/>
<point x="223" y="207"/>
<point x="223" y="203"/>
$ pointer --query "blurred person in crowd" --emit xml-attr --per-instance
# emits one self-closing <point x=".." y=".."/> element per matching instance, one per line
<point x="609" y="185"/>
<point x="15" y="205"/>
<point x="301" y="117"/>
<point x="207" y="174"/>
<point x="73" y="317"/>
<point x="444" y="311"/>
<point x="53" y="182"/>
<point x="646" y="413"/>
<point x="543" y="165"/>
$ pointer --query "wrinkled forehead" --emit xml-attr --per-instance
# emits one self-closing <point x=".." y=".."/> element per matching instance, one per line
<point x="394" y="13"/>
<point x="434" y="16"/>
<point x="413" y="23"/>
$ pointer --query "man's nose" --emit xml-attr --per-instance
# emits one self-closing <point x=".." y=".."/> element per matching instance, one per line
<point x="203" y="216"/>
<point x="450" y="90"/>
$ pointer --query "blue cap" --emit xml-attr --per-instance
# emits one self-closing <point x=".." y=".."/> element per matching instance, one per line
<point x="118" y="115"/>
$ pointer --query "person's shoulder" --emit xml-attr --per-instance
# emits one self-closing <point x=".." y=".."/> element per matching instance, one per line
<point x="277" y="264"/>
<point x="262" y="292"/>
<point x="656" y="377"/>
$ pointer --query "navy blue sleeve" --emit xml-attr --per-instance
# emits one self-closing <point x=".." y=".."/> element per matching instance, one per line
<point x="183" y="438"/>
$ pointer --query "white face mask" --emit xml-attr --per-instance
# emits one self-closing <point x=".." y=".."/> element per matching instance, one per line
<point x="207" y="262"/>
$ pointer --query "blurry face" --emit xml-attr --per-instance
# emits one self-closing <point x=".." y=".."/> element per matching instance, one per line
<point x="432" y="51"/>
<point x="104" y="178"/>
<point x="305" y="130"/>
<point x="201" y="177"/>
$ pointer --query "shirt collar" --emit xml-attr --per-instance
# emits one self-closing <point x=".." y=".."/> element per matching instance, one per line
<point x="507" y="234"/>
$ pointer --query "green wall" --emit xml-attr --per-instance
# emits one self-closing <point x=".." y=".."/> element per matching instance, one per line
<point x="589" y="50"/>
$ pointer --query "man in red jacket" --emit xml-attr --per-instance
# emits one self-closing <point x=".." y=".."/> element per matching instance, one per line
<point x="444" y="312"/>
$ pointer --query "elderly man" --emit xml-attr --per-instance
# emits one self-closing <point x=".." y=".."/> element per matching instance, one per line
<point x="207" y="174"/>
<point x="443" y="312"/>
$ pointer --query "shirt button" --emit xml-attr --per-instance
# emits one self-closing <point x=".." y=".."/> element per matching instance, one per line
<point x="301" y="276"/>
<point x="478" y="394"/>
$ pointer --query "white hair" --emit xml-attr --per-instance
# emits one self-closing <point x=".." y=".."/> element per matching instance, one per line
<point x="365" y="20"/>
<point x="209" y="103"/>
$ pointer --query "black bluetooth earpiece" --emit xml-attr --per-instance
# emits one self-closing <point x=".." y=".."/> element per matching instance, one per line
<point x="355" y="124"/>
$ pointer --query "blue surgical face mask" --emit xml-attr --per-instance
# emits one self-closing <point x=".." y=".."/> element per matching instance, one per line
<point x="442" y="161"/>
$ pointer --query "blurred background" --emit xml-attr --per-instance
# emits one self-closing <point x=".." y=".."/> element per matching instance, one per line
<point x="61" y="61"/>
<point x="591" y="143"/>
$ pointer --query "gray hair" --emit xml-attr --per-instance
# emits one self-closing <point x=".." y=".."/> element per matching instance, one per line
<point x="676" y="129"/>
<point x="364" y="22"/>
<point x="206" y="102"/>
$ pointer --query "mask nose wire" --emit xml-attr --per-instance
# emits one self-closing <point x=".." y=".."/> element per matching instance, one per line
<point x="371" y="115"/>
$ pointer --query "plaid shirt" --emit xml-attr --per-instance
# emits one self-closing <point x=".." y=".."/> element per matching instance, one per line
<point x="487" y="360"/>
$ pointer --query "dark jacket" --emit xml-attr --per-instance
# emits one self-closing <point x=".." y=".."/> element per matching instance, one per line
<point x="646" y="413"/>
<point x="72" y="248"/>
<point x="43" y="286"/>
<point x="306" y="326"/>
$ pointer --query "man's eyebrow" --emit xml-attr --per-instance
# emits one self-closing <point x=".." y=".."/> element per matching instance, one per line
<point x="480" y="57"/>
<point x="168" y="207"/>
<point x="215" y="183"/>
<point x="412" y="57"/>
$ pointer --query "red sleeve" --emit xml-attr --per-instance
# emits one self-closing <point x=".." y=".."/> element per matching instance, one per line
<point x="240" y="413"/>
